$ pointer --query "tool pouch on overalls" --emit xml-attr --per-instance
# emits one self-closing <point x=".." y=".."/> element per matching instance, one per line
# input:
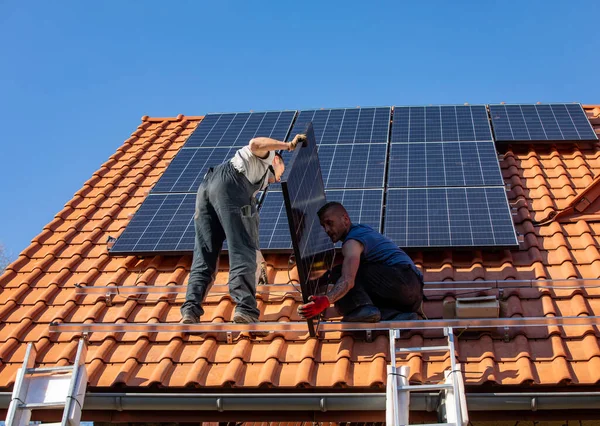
<point x="250" y="220"/>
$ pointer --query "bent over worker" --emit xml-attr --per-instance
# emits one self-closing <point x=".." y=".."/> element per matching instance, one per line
<point x="226" y="209"/>
<point x="377" y="280"/>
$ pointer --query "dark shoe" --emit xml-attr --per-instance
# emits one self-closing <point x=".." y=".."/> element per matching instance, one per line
<point x="405" y="316"/>
<point x="189" y="318"/>
<point x="243" y="318"/>
<point x="367" y="313"/>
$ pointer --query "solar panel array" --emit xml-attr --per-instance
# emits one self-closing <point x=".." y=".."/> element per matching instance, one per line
<point x="432" y="154"/>
<point x="438" y="152"/>
<point x="548" y="122"/>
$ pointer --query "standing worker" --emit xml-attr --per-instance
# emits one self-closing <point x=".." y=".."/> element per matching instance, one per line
<point x="377" y="280"/>
<point x="226" y="209"/>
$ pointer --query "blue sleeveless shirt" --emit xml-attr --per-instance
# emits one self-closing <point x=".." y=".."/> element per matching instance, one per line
<point x="378" y="248"/>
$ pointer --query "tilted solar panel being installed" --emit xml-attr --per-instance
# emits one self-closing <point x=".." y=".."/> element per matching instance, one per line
<point x="541" y="123"/>
<point x="304" y="195"/>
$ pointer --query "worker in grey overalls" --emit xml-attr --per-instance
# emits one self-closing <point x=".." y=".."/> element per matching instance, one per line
<point x="226" y="209"/>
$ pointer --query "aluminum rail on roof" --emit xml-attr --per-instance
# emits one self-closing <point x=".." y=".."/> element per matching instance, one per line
<point x="291" y="288"/>
<point x="300" y="327"/>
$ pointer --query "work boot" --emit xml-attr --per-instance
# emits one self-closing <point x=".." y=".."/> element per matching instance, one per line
<point x="366" y="313"/>
<point x="243" y="318"/>
<point x="189" y="318"/>
<point x="405" y="316"/>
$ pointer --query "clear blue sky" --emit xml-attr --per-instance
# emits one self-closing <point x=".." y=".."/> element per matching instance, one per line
<point x="77" y="76"/>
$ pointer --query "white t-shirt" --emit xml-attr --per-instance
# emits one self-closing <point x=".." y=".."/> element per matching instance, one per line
<point x="251" y="166"/>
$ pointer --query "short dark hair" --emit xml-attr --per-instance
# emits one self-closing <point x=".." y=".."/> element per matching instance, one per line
<point x="331" y="205"/>
<point x="277" y="154"/>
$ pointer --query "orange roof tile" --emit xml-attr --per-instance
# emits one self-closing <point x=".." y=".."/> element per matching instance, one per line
<point x="39" y="287"/>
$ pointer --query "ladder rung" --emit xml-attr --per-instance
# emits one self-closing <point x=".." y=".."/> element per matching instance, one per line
<point x="415" y="388"/>
<point x="423" y="349"/>
<point x="42" y="370"/>
<point x="42" y="405"/>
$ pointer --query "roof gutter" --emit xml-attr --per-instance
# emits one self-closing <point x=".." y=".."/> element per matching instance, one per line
<point x="327" y="401"/>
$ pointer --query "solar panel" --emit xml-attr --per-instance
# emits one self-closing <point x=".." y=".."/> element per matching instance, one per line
<point x="449" y="217"/>
<point x="236" y="129"/>
<point x="304" y="195"/>
<point x="163" y="223"/>
<point x="448" y="123"/>
<point x="187" y="169"/>
<point x="417" y="165"/>
<point x="350" y="166"/>
<point x="346" y="125"/>
<point x="548" y="122"/>
<point x="363" y="206"/>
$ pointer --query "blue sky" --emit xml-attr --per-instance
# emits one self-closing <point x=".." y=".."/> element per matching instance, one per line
<point x="76" y="77"/>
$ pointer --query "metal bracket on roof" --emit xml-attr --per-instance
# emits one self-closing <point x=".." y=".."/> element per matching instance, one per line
<point x="369" y="335"/>
<point x="229" y="337"/>
<point x="506" y="335"/>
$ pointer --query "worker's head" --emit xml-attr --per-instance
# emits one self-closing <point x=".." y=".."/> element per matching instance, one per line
<point x="278" y="168"/>
<point x="335" y="220"/>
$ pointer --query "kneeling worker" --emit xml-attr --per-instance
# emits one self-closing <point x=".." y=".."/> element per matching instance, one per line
<point x="376" y="281"/>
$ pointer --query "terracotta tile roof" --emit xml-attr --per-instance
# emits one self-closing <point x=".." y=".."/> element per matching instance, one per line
<point x="547" y="183"/>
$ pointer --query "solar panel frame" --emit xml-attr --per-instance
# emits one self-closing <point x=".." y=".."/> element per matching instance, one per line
<point x="440" y="123"/>
<point x="345" y="166"/>
<point x="164" y="223"/>
<point x="436" y="164"/>
<point x="187" y="169"/>
<point x="334" y="126"/>
<point x="304" y="194"/>
<point x="541" y="123"/>
<point x="428" y="218"/>
<point x="236" y="129"/>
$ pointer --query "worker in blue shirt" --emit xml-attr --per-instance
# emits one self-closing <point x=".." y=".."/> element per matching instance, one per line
<point x="376" y="281"/>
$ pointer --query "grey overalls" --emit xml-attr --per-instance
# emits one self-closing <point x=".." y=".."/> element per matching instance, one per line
<point x="225" y="208"/>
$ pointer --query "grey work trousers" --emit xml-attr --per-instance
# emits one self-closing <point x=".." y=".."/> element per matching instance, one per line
<point x="225" y="209"/>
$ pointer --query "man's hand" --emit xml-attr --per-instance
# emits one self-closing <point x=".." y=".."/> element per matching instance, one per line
<point x="313" y="308"/>
<point x="299" y="139"/>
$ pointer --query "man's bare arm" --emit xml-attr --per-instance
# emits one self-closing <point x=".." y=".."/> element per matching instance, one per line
<point x="351" y="250"/>
<point x="261" y="146"/>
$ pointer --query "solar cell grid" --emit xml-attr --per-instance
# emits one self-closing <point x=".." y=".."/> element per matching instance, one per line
<point x="447" y="123"/>
<point x="543" y="122"/>
<point x="443" y="164"/>
<point x="449" y="217"/>
<point x="346" y="126"/>
<point x="227" y="130"/>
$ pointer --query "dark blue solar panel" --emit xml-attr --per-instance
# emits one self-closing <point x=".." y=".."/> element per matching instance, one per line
<point x="363" y="206"/>
<point x="549" y="122"/>
<point x="346" y="126"/>
<point x="350" y="166"/>
<point x="163" y="223"/>
<point x="187" y="169"/>
<point x="452" y="123"/>
<point x="417" y="165"/>
<point x="449" y="217"/>
<point x="227" y="130"/>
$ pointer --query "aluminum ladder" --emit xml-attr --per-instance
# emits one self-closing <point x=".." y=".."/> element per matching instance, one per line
<point x="49" y="388"/>
<point x="452" y="406"/>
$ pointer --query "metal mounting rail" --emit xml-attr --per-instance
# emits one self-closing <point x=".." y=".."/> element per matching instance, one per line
<point x="290" y="288"/>
<point x="300" y="327"/>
